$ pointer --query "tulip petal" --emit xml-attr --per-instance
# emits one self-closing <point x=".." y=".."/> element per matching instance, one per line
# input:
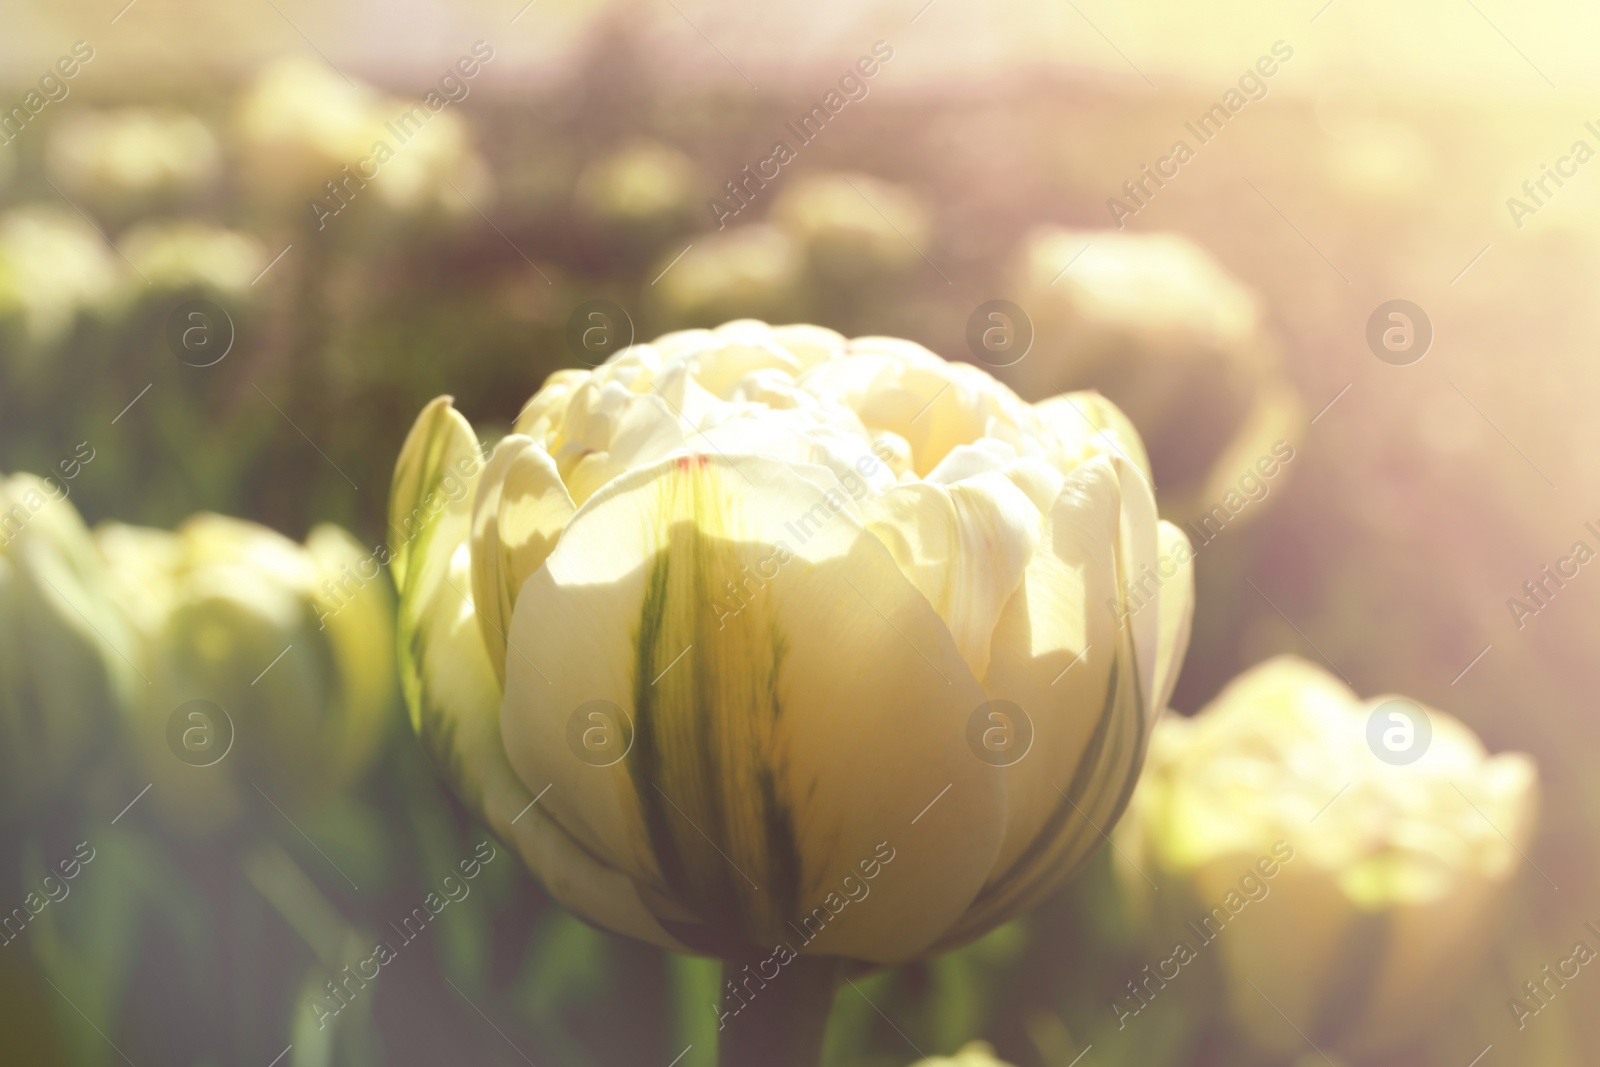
<point x="451" y="685"/>
<point x="1064" y="651"/>
<point x="788" y="730"/>
<point x="1086" y="424"/>
<point x="964" y="546"/>
<point x="1141" y="583"/>
<point x="901" y="387"/>
<point x="429" y="511"/>
<point x="518" y="513"/>
<point x="461" y="729"/>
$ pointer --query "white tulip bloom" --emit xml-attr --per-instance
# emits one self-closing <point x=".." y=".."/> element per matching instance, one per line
<point x="746" y="609"/>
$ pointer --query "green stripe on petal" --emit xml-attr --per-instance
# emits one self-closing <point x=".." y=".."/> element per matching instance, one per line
<point x="451" y="687"/>
<point x="1099" y="790"/>
<point x="440" y="454"/>
<point x="429" y="503"/>
<point x="1069" y="642"/>
<point x="518" y="513"/>
<point x="796" y="705"/>
<point x="705" y="762"/>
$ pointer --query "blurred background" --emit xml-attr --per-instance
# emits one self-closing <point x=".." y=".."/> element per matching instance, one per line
<point x="219" y="295"/>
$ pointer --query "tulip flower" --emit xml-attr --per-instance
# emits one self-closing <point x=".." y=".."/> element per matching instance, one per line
<point x="1346" y="857"/>
<point x="792" y="650"/>
<point x="275" y="660"/>
<point x="853" y="225"/>
<point x="63" y="674"/>
<point x="640" y="184"/>
<point x="745" y="270"/>
<point x="308" y="132"/>
<point x="53" y="266"/>
<point x="126" y="155"/>
<point x="1159" y="326"/>
<point x="180" y="256"/>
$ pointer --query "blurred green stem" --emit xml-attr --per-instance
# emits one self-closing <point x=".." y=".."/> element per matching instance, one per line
<point x="778" y="1021"/>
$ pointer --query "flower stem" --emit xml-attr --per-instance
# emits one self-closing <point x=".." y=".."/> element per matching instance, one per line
<point x="783" y="1019"/>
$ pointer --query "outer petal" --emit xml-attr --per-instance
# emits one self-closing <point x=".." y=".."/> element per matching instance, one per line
<point x="451" y="687"/>
<point x="1065" y="652"/>
<point x="437" y="468"/>
<point x="788" y="730"/>
<point x="518" y="512"/>
<point x="1139" y="578"/>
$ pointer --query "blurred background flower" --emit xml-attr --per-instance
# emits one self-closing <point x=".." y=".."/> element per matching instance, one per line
<point x="304" y="127"/>
<point x="287" y="649"/>
<point x="746" y="271"/>
<point x="299" y="122"/>
<point x="1373" y="843"/>
<point x="976" y="1054"/>
<point x="64" y="673"/>
<point x="129" y="158"/>
<point x="186" y="256"/>
<point x="853" y="226"/>
<point x="1159" y="326"/>
<point x="640" y="185"/>
<point x="53" y="266"/>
